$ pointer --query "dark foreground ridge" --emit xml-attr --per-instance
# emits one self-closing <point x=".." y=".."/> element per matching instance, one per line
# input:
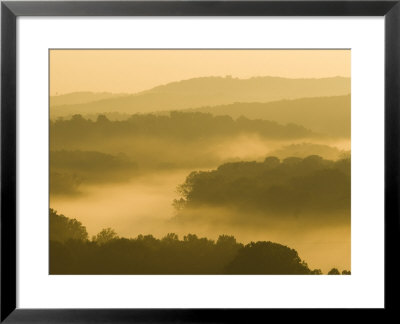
<point x="71" y="252"/>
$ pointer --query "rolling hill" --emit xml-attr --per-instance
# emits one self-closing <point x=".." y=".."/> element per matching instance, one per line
<point x="76" y="98"/>
<point x="326" y="115"/>
<point x="208" y="91"/>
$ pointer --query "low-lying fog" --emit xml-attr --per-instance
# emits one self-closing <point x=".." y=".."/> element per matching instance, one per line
<point x="144" y="206"/>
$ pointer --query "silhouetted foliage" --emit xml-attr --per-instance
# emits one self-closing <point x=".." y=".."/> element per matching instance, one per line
<point x="267" y="258"/>
<point x="69" y="169"/>
<point x="84" y="151"/>
<point x="107" y="253"/>
<point x="293" y="186"/>
<point x="334" y="271"/>
<point x="306" y="149"/>
<point x="106" y="235"/>
<point x="63" y="228"/>
<point x="64" y="183"/>
<point x="183" y="126"/>
<point x="346" y="272"/>
<point x="88" y="162"/>
<point x="316" y="272"/>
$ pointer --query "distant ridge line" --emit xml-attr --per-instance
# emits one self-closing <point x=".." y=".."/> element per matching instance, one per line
<point x="189" y="79"/>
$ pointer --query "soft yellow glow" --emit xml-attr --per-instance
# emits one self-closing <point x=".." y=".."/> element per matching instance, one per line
<point x="126" y="175"/>
<point x="131" y="71"/>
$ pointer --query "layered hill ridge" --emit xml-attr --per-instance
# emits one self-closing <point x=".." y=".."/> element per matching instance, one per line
<point x="205" y="91"/>
<point x="82" y="97"/>
<point x="325" y="115"/>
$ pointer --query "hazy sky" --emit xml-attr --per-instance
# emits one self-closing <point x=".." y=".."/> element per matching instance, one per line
<point x="132" y="71"/>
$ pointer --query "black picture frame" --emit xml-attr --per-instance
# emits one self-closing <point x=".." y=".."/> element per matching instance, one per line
<point x="10" y="10"/>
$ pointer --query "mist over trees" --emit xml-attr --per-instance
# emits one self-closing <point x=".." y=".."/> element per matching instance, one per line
<point x="70" y="169"/>
<point x="84" y="152"/>
<point x="182" y="126"/>
<point x="263" y="156"/>
<point x="71" y="252"/>
<point x="293" y="186"/>
<point x="303" y="150"/>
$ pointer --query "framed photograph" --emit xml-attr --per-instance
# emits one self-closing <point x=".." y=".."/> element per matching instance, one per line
<point x="190" y="161"/>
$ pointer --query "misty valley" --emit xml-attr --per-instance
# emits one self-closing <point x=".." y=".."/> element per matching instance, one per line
<point x="214" y="175"/>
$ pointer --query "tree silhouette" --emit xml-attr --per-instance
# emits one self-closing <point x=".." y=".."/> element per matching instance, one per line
<point x="294" y="186"/>
<point x="267" y="258"/>
<point x="107" y="253"/>
<point x="316" y="272"/>
<point x="63" y="228"/>
<point x="105" y="236"/>
<point x="334" y="271"/>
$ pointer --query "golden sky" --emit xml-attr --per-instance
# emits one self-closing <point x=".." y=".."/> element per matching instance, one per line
<point x="130" y="71"/>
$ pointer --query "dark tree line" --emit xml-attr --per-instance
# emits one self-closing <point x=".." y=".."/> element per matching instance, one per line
<point x="63" y="229"/>
<point x="293" y="186"/>
<point x="71" y="252"/>
<point x="69" y="169"/>
<point x="175" y="125"/>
